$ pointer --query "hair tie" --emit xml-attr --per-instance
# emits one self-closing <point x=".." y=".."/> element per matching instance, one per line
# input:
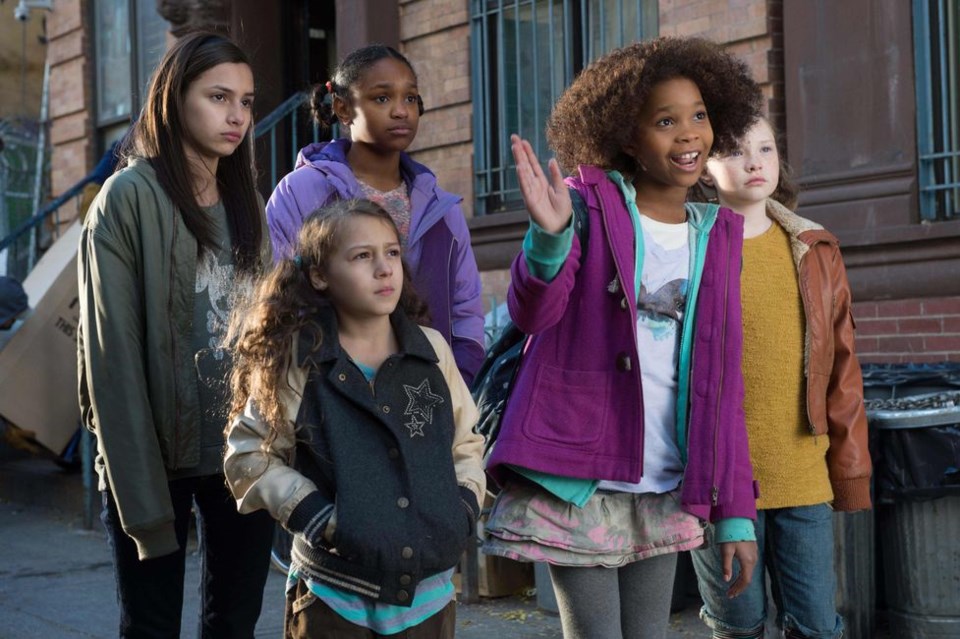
<point x="329" y="86"/>
<point x="298" y="261"/>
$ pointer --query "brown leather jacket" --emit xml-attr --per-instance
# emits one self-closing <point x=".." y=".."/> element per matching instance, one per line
<point x="834" y="383"/>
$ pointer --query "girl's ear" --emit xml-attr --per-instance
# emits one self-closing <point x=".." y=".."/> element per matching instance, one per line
<point x="317" y="280"/>
<point x="343" y="111"/>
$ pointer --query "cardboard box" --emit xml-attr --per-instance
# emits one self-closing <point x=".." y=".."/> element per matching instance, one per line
<point x="498" y="576"/>
<point x="38" y="366"/>
<point x="501" y="577"/>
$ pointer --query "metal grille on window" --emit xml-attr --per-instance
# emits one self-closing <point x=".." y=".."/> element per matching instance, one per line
<point x="936" y="25"/>
<point x="524" y="53"/>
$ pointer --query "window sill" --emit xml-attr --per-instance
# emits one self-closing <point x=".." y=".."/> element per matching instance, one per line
<point x="496" y="237"/>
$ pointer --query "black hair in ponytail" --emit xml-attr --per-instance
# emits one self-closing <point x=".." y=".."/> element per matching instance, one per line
<point x="349" y="71"/>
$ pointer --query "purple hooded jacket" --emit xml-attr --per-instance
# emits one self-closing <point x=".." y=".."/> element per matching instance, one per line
<point x="438" y="249"/>
<point x="576" y="408"/>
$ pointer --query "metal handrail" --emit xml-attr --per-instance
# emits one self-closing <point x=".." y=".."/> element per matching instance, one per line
<point x="287" y="107"/>
<point x="268" y="127"/>
<point x="48" y="210"/>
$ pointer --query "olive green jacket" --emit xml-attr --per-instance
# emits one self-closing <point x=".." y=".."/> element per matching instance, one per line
<point x="137" y="266"/>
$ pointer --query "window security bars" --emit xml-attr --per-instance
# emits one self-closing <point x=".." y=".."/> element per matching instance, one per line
<point x="524" y="53"/>
<point x="936" y="37"/>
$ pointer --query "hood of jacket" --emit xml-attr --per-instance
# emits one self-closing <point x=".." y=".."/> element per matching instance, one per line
<point x="426" y="196"/>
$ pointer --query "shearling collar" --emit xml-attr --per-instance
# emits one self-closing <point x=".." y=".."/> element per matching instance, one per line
<point x="803" y="233"/>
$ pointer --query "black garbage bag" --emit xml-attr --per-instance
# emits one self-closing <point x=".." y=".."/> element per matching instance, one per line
<point x="882" y="381"/>
<point x="917" y="452"/>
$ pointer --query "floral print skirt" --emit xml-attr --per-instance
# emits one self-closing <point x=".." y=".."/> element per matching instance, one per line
<point x="527" y="523"/>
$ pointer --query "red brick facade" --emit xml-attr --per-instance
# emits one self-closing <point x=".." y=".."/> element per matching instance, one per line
<point x="71" y="95"/>
<point x="918" y="330"/>
<point x="435" y="35"/>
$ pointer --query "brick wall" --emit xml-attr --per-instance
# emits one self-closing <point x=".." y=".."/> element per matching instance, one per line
<point x="495" y="285"/>
<point x="917" y="330"/>
<point x="71" y="81"/>
<point x="435" y="36"/>
<point x="19" y="96"/>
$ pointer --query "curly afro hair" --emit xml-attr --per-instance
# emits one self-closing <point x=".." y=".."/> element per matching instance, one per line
<point x="590" y="122"/>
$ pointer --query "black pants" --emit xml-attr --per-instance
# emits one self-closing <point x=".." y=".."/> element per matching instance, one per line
<point x="234" y="562"/>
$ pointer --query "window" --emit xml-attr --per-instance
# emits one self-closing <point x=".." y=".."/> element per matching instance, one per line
<point x="124" y="61"/>
<point x="936" y="26"/>
<point x="525" y="52"/>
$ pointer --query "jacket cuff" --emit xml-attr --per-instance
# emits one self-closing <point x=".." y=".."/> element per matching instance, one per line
<point x="156" y="542"/>
<point x="310" y="517"/>
<point x="735" y="529"/>
<point x="546" y="252"/>
<point x="851" y="494"/>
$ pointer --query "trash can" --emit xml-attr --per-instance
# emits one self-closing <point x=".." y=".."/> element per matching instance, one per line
<point x="854" y="550"/>
<point x="917" y="487"/>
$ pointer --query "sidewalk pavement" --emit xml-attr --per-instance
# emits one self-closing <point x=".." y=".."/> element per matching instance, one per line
<point x="56" y="578"/>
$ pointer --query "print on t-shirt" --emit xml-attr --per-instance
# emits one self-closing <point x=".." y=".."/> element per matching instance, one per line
<point x="664" y="305"/>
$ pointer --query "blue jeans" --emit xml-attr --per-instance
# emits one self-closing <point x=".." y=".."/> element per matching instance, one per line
<point x="795" y="547"/>
<point x="234" y="562"/>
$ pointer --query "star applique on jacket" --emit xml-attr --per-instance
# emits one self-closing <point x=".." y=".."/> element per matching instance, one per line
<point x="421" y="401"/>
<point x="415" y="426"/>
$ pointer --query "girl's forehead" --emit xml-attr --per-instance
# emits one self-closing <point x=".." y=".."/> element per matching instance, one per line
<point x="236" y="76"/>
<point x="673" y="93"/>
<point x="359" y="226"/>
<point x="760" y="129"/>
<point x="387" y="72"/>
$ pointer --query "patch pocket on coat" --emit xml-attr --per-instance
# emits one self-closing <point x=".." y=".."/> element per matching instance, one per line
<point x="570" y="406"/>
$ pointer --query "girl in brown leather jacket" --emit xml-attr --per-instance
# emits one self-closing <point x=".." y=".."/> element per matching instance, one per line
<point x="803" y="400"/>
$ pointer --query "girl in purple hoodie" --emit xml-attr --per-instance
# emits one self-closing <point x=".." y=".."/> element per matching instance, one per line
<point x="374" y="96"/>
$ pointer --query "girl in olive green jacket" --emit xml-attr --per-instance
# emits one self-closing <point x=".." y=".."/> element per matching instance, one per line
<point x="168" y="240"/>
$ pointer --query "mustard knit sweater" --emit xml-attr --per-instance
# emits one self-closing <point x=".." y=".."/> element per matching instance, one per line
<point x="788" y="461"/>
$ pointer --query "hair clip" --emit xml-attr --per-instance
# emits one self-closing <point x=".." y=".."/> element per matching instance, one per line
<point x="298" y="261"/>
<point x="329" y="86"/>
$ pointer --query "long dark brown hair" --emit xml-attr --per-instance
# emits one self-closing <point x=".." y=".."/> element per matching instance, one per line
<point x="159" y="134"/>
<point x="261" y="329"/>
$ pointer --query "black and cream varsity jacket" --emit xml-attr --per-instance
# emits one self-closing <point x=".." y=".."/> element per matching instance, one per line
<point x="381" y="483"/>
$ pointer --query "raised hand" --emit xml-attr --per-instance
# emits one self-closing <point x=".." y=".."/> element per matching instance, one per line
<point x="548" y="202"/>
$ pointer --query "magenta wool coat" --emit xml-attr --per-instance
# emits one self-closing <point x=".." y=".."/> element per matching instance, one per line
<point x="576" y="409"/>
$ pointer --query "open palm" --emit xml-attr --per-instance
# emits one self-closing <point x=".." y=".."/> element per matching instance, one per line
<point x="548" y="202"/>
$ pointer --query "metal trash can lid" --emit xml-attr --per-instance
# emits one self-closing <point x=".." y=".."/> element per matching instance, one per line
<point x="915" y="411"/>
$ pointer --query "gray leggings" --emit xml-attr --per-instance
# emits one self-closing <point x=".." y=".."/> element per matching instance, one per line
<point x="631" y="602"/>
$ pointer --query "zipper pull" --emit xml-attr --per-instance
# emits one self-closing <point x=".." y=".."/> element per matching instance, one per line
<point x="714" y="495"/>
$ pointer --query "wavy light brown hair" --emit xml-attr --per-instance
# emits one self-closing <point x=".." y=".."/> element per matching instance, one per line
<point x="591" y="123"/>
<point x="262" y="328"/>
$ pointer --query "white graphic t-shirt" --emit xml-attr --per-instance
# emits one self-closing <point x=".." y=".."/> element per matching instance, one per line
<point x="660" y="311"/>
<point x="216" y="290"/>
